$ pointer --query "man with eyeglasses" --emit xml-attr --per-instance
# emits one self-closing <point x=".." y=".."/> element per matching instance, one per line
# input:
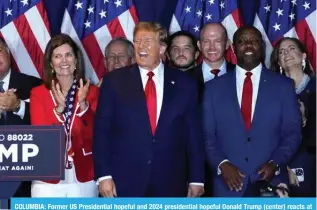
<point x="118" y="53"/>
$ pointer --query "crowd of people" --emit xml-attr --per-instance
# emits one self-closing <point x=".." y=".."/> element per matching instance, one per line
<point x="171" y="117"/>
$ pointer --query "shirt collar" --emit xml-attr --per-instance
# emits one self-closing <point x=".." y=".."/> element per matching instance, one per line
<point x="221" y="68"/>
<point x="255" y="72"/>
<point x="158" y="71"/>
<point x="6" y="79"/>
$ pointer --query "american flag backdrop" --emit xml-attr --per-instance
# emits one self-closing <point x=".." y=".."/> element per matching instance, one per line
<point x="288" y="18"/>
<point x="191" y="15"/>
<point x="93" y="23"/>
<point x="25" y="28"/>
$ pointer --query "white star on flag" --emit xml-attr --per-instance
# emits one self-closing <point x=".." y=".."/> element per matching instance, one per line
<point x="199" y="13"/>
<point x="277" y="26"/>
<point x="267" y="8"/>
<point x="24" y="2"/>
<point x="8" y="12"/>
<point x="118" y="3"/>
<point x="211" y="2"/>
<point x="208" y="16"/>
<point x="292" y="16"/>
<point x="279" y="12"/>
<point x="102" y="14"/>
<point x="306" y="5"/>
<point x="90" y="9"/>
<point x="187" y="9"/>
<point x="79" y="5"/>
<point x="222" y="5"/>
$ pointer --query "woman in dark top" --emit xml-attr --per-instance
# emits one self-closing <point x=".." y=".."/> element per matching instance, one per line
<point x="289" y="57"/>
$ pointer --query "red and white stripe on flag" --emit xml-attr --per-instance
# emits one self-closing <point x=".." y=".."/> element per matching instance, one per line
<point x="93" y="46"/>
<point x="304" y="30"/>
<point x="27" y="36"/>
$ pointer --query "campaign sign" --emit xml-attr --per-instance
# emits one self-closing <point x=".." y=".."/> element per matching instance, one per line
<point x="32" y="153"/>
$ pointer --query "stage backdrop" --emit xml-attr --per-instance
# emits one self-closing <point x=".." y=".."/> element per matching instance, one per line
<point x="27" y="25"/>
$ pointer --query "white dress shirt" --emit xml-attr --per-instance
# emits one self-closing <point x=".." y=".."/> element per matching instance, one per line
<point x="158" y="79"/>
<point x="208" y="75"/>
<point x="5" y="86"/>
<point x="240" y="77"/>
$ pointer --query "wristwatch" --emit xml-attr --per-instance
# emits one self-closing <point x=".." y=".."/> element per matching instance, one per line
<point x="277" y="168"/>
<point x="17" y="109"/>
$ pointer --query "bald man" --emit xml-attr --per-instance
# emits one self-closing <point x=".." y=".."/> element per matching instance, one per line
<point x="213" y="43"/>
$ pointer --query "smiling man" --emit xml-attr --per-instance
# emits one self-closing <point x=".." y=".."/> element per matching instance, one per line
<point x="213" y="43"/>
<point x="252" y="126"/>
<point x="147" y="139"/>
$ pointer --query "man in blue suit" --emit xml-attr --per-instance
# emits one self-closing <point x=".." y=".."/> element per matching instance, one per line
<point x="147" y="139"/>
<point x="251" y="121"/>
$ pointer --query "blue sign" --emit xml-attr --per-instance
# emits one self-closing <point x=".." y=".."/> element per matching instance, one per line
<point x="32" y="153"/>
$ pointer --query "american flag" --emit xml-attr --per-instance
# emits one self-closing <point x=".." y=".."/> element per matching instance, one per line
<point x="93" y="23"/>
<point x="25" y="28"/>
<point x="288" y="18"/>
<point x="191" y="15"/>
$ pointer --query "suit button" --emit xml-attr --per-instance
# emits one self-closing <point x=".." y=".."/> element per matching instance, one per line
<point x="153" y="140"/>
<point x="246" y="159"/>
<point x="149" y="162"/>
<point x="249" y="139"/>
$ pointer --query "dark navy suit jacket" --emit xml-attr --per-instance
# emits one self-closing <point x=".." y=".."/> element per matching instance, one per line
<point x="125" y="148"/>
<point x="274" y="135"/>
<point x="23" y="83"/>
<point x="197" y="73"/>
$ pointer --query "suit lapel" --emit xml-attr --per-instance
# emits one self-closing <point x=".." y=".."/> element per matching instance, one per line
<point x="13" y="83"/>
<point x="168" y="96"/>
<point x="134" y="86"/>
<point x="234" y="98"/>
<point x="262" y="98"/>
<point x="200" y="74"/>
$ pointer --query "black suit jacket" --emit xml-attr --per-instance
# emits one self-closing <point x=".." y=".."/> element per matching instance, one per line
<point x="23" y="83"/>
<point x="197" y="73"/>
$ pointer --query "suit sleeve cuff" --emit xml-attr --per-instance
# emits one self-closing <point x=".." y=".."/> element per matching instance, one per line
<point x="21" y="111"/>
<point x="103" y="178"/>
<point x="278" y="171"/>
<point x="196" y="183"/>
<point x="218" y="169"/>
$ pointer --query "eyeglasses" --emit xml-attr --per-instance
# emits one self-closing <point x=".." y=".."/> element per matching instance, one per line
<point x="112" y="58"/>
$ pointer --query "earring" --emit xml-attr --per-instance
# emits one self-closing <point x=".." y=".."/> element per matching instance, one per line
<point x="53" y="71"/>
<point x="281" y="70"/>
<point x="303" y="64"/>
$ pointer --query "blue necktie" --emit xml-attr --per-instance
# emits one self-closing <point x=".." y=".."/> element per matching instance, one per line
<point x="3" y="115"/>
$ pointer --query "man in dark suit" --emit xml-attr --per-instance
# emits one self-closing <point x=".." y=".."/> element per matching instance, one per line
<point x="147" y="139"/>
<point x="15" y="91"/>
<point x="213" y="43"/>
<point x="252" y="127"/>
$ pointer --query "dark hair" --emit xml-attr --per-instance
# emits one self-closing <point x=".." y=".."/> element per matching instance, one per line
<point x="245" y="28"/>
<point x="275" y="55"/>
<point x="240" y="30"/>
<point x="182" y="33"/>
<point x="55" y="42"/>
